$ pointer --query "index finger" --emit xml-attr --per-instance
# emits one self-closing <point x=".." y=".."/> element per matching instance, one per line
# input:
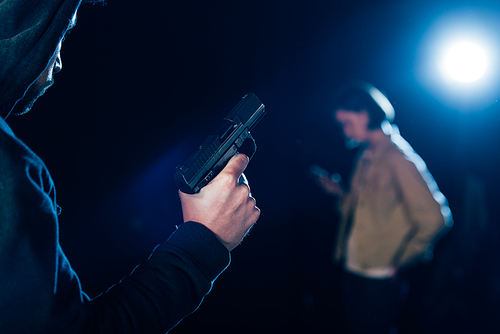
<point x="236" y="165"/>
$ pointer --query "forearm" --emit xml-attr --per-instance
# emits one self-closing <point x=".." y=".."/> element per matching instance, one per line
<point x="167" y="287"/>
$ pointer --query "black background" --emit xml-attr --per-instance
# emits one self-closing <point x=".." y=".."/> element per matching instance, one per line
<point x="144" y="82"/>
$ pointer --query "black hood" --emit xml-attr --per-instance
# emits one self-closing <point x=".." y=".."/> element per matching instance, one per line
<point x="29" y="34"/>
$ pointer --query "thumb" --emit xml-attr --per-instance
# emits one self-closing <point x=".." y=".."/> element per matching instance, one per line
<point x="236" y="165"/>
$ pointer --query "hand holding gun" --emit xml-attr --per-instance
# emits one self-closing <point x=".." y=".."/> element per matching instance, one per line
<point x="210" y="181"/>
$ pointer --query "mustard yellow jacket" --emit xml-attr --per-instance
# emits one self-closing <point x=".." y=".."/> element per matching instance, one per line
<point x="393" y="210"/>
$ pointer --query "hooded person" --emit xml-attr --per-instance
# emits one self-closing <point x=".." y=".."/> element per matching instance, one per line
<point x="39" y="291"/>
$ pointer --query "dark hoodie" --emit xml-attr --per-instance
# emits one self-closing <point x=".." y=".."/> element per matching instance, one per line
<point x="39" y="291"/>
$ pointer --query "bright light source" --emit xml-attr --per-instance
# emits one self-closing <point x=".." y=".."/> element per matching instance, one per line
<point x="466" y="62"/>
<point x="446" y="64"/>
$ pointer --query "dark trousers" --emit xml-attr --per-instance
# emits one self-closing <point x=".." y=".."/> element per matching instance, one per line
<point x="372" y="306"/>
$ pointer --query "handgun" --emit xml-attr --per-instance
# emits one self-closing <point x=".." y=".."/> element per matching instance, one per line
<point x="232" y="137"/>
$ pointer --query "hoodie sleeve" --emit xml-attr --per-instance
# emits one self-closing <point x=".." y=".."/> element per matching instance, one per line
<point x="164" y="289"/>
<point x="39" y="291"/>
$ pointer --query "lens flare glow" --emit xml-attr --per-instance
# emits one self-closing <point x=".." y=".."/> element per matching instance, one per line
<point x="466" y="62"/>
